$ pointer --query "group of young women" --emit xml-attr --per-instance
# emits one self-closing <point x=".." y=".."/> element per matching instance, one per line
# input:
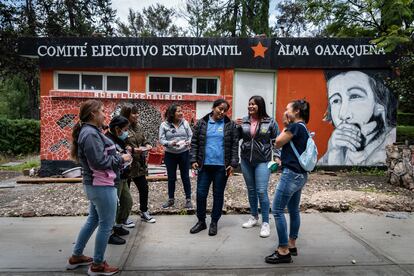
<point x="211" y="148"/>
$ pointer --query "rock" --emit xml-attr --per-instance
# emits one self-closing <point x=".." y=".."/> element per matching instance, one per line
<point x="29" y="214"/>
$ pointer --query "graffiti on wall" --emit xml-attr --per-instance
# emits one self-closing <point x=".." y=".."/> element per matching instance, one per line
<point x="362" y="111"/>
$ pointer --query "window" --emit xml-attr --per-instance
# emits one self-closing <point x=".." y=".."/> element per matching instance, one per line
<point x="92" y="81"/>
<point x="68" y="81"/>
<point x="117" y="83"/>
<point x="184" y="84"/>
<point x="159" y="84"/>
<point x="206" y="86"/>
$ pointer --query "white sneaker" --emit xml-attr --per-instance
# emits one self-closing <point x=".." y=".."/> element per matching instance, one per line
<point x="265" y="230"/>
<point x="251" y="222"/>
<point x="129" y="223"/>
<point x="145" y="216"/>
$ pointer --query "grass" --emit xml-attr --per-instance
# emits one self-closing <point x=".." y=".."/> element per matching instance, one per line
<point x="405" y="133"/>
<point x="29" y="162"/>
<point x="367" y="171"/>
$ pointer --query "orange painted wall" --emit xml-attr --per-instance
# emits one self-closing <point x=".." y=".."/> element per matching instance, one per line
<point x="309" y="85"/>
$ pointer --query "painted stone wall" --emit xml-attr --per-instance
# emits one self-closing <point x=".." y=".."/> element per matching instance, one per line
<point x="400" y="163"/>
<point x="59" y="115"/>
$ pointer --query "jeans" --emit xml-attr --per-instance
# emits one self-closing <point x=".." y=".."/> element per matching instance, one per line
<point x="171" y="161"/>
<point x="206" y="175"/>
<point x="288" y="192"/>
<point x="102" y="211"/>
<point x="256" y="177"/>
<point x="125" y="201"/>
<point x="142" y="186"/>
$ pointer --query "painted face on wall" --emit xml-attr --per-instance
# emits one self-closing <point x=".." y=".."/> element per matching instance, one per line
<point x="351" y="99"/>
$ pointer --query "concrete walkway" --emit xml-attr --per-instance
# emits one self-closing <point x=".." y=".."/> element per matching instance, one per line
<point x="329" y="244"/>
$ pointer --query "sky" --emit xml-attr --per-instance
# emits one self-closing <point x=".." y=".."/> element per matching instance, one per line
<point x="122" y="7"/>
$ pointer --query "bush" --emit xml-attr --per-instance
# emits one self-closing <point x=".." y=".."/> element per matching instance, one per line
<point x="405" y="133"/>
<point x="19" y="136"/>
<point x="405" y="119"/>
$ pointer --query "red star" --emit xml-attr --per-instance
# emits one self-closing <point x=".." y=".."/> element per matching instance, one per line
<point x="259" y="50"/>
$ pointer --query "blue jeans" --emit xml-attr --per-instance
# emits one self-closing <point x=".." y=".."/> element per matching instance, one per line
<point x="102" y="211"/>
<point x="171" y="161"/>
<point x="256" y="177"/>
<point x="288" y="192"/>
<point x="206" y="175"/>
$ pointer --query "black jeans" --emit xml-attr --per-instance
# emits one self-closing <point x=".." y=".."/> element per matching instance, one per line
<point x="208" y="174"/>
<point x="142" y="186"/>
<point x="171" y="161"/>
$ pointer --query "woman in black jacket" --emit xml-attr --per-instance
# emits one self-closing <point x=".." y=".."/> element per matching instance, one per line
<point x="258" y="132"/>
<point x="214" y="153"/>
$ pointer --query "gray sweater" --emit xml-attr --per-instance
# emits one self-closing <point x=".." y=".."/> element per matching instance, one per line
<point x="98" y="157"/>
<point x="169" y="133"/>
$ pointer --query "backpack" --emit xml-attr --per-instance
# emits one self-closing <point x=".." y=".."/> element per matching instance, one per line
<point x="309" y="157"/>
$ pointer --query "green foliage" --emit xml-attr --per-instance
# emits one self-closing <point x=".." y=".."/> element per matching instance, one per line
<point x="28" y="164"/>
<point x="405" y="133"/>
<point x="405" y="119"/>
<point x="155" y="21"/>
<point x="14" y="98"/>
<point x="19" y="136"/>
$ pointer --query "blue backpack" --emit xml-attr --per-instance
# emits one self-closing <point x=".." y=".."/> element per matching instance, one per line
<point x="309" y="157"/>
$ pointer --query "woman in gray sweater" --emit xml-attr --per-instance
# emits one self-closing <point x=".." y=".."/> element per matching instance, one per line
<point x="175" y="135"/>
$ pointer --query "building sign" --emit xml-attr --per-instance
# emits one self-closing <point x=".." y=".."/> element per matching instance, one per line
<point x="202" y="53"/>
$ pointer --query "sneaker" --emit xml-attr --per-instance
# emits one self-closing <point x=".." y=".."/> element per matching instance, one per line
<point x="169" y="203"/>
<point x="102" y="269"/>
<point x="129" y="223"/>
<point x="76" y="261"/>
<point x="115" y="239"/>
<point x="118" y="230"/>
<point x="251" y="222"/>
<point x="145" y="216"/>
<point x="265" y="230"/>
<point x="188" y="204"/>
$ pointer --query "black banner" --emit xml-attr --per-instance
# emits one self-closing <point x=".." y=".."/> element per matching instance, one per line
<point x="203" y="53"/>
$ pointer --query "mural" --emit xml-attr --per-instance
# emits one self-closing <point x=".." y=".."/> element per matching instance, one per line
<point x="59" y="115"/>
<point x="362" y="111"/>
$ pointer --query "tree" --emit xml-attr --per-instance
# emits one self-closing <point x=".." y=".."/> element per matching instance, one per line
<point x="198" y="15"/>
<point x="291" y="19"/>
<point x="240" y="18"/>
<point x="104" y="17"/>
<point x="155" y="21"/>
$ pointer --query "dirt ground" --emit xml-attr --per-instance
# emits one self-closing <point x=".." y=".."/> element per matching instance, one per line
<point x="324" y="192"/>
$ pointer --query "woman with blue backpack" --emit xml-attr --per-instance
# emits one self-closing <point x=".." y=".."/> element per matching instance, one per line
<point x="296" y="142"/>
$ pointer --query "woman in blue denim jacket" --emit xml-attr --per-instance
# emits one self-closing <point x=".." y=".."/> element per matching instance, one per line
<point x="292" y="180"/>
<point x="258" y="132"/>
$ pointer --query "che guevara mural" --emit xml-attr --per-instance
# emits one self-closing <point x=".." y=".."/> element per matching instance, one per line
<point x="362" y="110"/>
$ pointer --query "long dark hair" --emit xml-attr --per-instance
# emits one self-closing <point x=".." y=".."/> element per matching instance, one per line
<point x="303" y="107"/>
<point x="128" y="109"/>
<point x="170" y="113"/>
<point x="85" y="115"/>
<point x="118" y="121"/>
<point x="260" y="102"/>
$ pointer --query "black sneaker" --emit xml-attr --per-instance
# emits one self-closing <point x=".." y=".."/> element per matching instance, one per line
<point x="169" y="203"/>
<point x="120" y="231"/>
<point x="276" y="258"/>
<point x="213" y="229"/>
<point x="200" y="225"/>
<point x="115" y="239"/>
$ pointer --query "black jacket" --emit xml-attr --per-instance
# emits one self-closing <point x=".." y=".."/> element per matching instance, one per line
<point x="121" y="149"/>
<point x="231" y="142"/>
<point x="259" y="148"/>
